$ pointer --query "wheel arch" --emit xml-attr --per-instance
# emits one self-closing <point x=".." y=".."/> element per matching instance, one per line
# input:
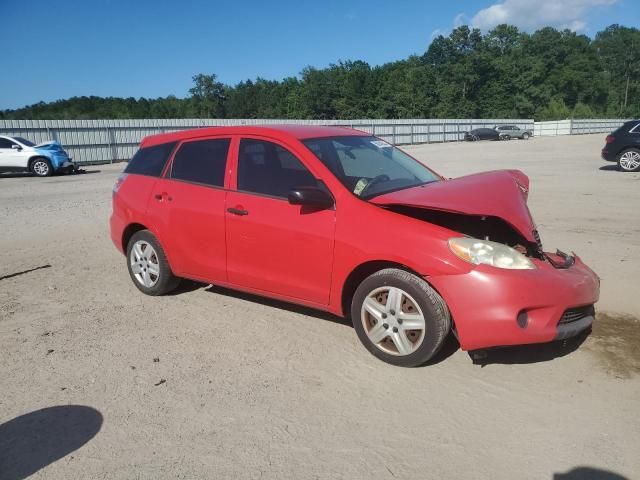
<point x="36" y="157"/>
<point x="129" y="231"/>
<point x="362" y="271"/>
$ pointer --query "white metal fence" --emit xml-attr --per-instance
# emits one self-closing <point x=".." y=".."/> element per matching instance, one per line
<point x="576" y="126"/>
<point x="101" y="141"/>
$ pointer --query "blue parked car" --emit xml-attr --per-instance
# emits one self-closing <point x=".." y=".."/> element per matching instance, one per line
<point x="20" y="155"/>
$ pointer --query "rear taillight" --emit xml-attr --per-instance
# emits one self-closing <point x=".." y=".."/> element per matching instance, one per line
<point x="610" y="138"/>
<point x="119" y="183"/>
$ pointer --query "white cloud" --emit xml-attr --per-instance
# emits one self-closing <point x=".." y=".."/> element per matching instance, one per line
<point x="530" y="14"/>
<point x="435" y="33"/>
<point x="460" y="19"/>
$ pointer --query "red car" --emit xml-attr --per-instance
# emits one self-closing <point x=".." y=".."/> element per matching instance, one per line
<point x="341" y="221"/>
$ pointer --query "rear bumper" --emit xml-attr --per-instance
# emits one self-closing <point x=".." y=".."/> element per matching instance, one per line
<point x="607" y="155"/>
<point x="116" y="227"/>
<point x="493" y="307"/>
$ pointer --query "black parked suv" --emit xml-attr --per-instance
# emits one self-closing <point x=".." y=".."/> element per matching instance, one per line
<point x="623" y="146"/>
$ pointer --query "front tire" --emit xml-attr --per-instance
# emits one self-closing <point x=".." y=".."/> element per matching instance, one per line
<point x="399" y="318"/>
<point x="629" y="160"/>
<point x="41" y="167"/>
<point x="525" y="136"/>
<point x="505" y="137"/>
<point x="148" y="265"/>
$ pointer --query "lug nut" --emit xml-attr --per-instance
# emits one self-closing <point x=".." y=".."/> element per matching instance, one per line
<point x="395" y="329"/>
<point x="384" y="315"/>
<point x="385" y="325"/>
<point x="399" y="321"/>
<point x="392" y="312"/>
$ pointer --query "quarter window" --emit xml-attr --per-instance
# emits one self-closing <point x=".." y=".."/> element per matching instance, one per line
<point x="150" y="160"/>
<point x="202" y="161"/>
<point x="269" y="169"/>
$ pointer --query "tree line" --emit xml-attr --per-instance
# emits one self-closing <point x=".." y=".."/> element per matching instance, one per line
<point x="505" y="73"/>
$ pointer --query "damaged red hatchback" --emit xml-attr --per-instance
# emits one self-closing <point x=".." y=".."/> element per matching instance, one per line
<point x="338" y="220"/>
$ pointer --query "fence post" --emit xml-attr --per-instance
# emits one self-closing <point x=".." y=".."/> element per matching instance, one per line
<point x="111" y="149"/>
<point x="393" y="134"/>
<point x="411" y="134"/>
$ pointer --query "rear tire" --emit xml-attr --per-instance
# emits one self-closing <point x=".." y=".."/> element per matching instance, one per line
<point x="525" y="136"/>
<point x="41" y="167"/>
<point x="399" y="318"/>
<point x="148" y="265"/>
<point x="505" y="137"/>
<point x="629" y="160"/>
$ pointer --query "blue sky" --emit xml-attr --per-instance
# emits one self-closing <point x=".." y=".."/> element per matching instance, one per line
<point x="136" y="48"/>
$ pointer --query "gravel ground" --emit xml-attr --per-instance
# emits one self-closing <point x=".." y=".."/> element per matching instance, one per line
<point x="209" y="383"/>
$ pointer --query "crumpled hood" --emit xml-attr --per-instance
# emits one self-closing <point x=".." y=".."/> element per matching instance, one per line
<point x="500" y="193"/>
<point x="49" y="145"/>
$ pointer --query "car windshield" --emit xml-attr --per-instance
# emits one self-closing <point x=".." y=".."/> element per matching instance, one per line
<point x="368" y="166"/>
<point x="25" y="142"/>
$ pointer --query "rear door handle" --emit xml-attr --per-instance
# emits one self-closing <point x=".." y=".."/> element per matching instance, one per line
<point x="237" y="211"/>
<point x="162" y="196"/>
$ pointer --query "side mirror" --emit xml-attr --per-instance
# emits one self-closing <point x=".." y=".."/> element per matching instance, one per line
<point x="16" y="147"/>
<point x="310" y="197"/>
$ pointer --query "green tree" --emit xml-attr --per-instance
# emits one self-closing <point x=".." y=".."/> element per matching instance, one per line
<point x="207" y="96"/>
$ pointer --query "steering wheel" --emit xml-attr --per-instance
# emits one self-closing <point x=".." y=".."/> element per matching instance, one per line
<point x="374" y="180"/>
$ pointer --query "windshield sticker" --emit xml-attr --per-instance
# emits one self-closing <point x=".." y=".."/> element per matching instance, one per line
<point x="380" y="144"/>
<point x="360" y="186"/>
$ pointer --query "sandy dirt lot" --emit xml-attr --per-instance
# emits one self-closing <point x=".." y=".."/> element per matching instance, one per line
<point x="208" y="383"/>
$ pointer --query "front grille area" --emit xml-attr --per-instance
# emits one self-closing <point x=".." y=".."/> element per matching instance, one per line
<point x="574" y="314"/>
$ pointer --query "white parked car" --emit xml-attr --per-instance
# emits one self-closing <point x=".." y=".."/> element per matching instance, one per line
<point x="20" y="155"/>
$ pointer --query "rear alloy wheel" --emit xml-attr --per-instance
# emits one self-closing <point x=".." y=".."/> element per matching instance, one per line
<point x="399" y="318"/>
<point x="148" y="266"/>
<point x="629" y="160"/>
<point x="505" y="137"/>
<point x="41" y="167"/>
<point x="525" y="136"/>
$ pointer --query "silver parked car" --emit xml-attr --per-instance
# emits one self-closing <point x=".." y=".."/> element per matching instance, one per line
<point x="507" y="132"/>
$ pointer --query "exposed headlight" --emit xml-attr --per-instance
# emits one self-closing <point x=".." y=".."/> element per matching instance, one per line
<point x="485" y="252"/>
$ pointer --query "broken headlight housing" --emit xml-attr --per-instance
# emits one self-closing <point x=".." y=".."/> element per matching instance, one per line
<point x="486" y="252"/>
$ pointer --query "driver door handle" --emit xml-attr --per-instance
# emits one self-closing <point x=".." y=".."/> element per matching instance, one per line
<point x="237" y="211"/>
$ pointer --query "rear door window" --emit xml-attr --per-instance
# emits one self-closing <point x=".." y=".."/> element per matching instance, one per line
<point x="201" y="161"/>
<point x="150" y="160"/>
<point x="4" y="143"/>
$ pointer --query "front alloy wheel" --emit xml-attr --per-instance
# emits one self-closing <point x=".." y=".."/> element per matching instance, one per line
<point x="629" y="160"/>
<point x="399" y="318"/>
<point x="41" y="167"/>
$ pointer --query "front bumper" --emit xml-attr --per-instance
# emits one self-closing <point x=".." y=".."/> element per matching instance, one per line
<point x="495" y="307"/>
<point x="67" y="166"/>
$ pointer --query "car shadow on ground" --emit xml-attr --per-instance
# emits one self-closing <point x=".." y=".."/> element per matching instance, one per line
<point x="522" y="354"/>
<point x="32" y="441"/>
<point x="29" y="174"/>
<point x="519" y="354"/>
<point x="270" y="302"/>
<point x="610" y="168"/>
<point x="588" y="473"/>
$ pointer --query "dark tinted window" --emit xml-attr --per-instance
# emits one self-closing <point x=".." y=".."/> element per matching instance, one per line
<point x="150" y="160"/>
<point x="203" y="161"/>
<point x="24" y="141"/>
<point x="269" y="169"/>
<point x="4" y="143"/>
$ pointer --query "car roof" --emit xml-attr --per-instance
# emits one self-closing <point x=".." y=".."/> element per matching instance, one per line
<point x="299" y="132"/>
